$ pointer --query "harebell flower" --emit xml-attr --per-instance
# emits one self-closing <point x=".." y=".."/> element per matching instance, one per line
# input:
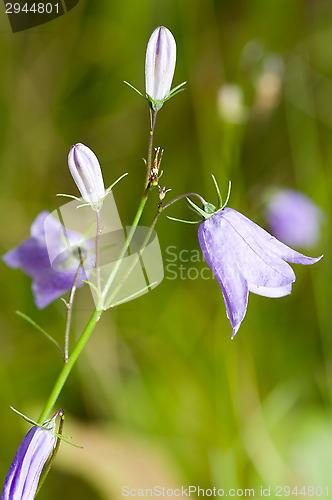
<point x="23" y="476"/>
<point x="245" y="258"/>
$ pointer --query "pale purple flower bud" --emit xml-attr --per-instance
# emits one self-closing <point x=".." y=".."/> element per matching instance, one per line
<point x="160" y="64"/>
<point x="23" y="476"/>
<point x="245" y="258"/>
<point x="85" y="169"/>
<point x="294" y="218"/>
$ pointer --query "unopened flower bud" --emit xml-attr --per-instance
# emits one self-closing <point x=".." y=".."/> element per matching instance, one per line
<point x="85" y="169"/>
<point x="159" y="65"/>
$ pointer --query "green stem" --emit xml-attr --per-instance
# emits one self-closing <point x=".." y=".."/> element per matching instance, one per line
<point x="69" y="365"/>
<point x="153" y="117"/>
<point x="91" y="324"/>
<point x="102" y="300"/>
<point x="69" y="306"/>
<point x="147" y="238"/>
<point x="60" y="382"/>
<point x="98" y="252"/>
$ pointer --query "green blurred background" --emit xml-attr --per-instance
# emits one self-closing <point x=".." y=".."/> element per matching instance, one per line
<point x="161" y="395"/>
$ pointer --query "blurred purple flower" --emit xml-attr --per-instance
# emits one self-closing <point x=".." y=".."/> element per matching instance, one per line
<point x="245" y="258"/>
<point x="294" y="218"/>
<point x="23" y="476"/>
<point x="51" y="280"/>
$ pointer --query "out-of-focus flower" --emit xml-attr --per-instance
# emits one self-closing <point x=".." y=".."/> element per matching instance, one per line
<point x="85" y="169"/>
<point x="294" y="218"/>
<point x="159" y="66"/>
<point x="230" y="103"/>
<point x="268" y="84"/>
<point x="50" y="281"/>
<point x="23" y="476"/>
<point x="245" y="258"/>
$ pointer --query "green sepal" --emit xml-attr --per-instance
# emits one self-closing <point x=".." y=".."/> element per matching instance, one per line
<point x="176" y="90"/>
<point x="27" y="419"/>
<point x="109" y="189"/>
<point x="198" y="210"/>
<point x="182" y="220"/>
<point x="39" y="328"/>
<point x="69" y="196"/>
<point x="228" y="194"/>
<point x="218" y="191"/>
<point x="157" y="105"/>
<point x="134" y="88"/>
<point x="43" y="426"/>
<point x="209" y="208"/>
<point x="92" y="286"/>
<point x="95" y="206"/>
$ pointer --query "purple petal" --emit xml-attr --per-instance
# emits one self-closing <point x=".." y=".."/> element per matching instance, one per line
<point x="23" y="476"/>
<point x="223" y="263"/>
<point x="244" y="257"/>
<point x="50" y="239"/>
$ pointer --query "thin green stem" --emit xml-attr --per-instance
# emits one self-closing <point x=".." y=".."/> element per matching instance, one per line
<point x="102" y="299"/>
<point x="146" y="240"/>
<point x="69" y="306"/>
<point x="69" y="365"/>
<point x="153" y="117"/>
<point x="99" y="309"/>
<point x="98" y="252"/>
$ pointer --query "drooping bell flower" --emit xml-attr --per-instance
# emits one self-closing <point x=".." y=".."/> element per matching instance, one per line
<point x="85" y="169"/>
<point x="245" y="258"/>
<point x="159" y="66"/>
<point x="294" y="218"/>
<point x="23" y="476"/>
<point x="33" y="257"/>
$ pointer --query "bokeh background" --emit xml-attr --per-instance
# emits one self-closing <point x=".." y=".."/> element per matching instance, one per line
<point x="161" y="395"/>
